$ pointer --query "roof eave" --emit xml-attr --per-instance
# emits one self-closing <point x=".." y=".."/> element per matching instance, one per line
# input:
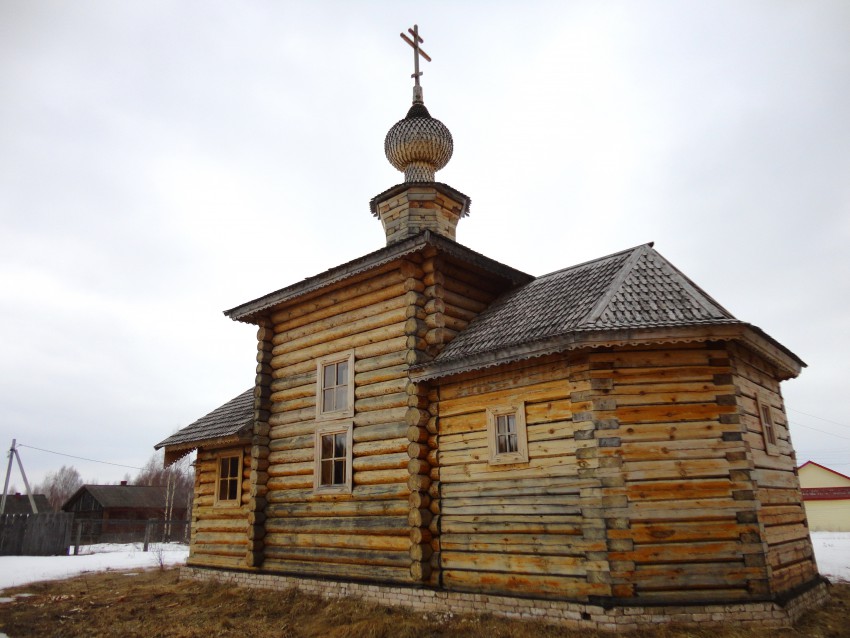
<point x="179" y="450"/>
<point x="789" y="364"/>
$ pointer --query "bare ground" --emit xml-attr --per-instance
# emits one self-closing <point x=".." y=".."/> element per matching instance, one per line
<point x="156" y="603"/>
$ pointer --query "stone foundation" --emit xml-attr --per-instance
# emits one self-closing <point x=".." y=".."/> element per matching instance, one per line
<point x="569" y="614"/>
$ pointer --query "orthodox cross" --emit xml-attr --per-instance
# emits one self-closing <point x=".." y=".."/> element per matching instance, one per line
<point x="416" y="50"/>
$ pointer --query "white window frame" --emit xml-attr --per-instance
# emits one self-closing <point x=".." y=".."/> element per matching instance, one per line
<point x="228" y="502"/>
<point x="348" y="412"/>
<point x="505" y="458"/>
<point x="324" y="430"/>
<point x="768" y="426"/>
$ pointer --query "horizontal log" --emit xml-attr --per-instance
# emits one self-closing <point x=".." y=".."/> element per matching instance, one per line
<point x="314" y="569"/>
<point x="381" y="476"/>
<point x="397" y="460"/>
<point x="294" y="381"/>
<point x="684" y="532"/>
<point x="365" y="365"/>
<point x="369" y="525"/>
<point x="334" y="331"/>
<point x="338" y="508"/>
<point x="380" y="432"/>
<point x="539" y="585"/>
<point x="339" y="556"/>
<point x="380" y="305"/>
<point x="383" y="446"/>
<point x="359" y="493"/>
<point x="344" y="541"/>
<point x="361" y="339"/>
<point x="388" y="417"/>
<point x="386" y="281"/>
<point x="380" y="388"/>
<point x="382" y="402"/>
<point x="538" y="544"/>
<point x="529" y="486"/>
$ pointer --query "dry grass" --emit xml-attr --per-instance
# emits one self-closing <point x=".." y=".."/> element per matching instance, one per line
<point x="156" y="603"/>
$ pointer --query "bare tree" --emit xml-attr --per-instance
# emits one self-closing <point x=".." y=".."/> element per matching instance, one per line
<point x="59" y="486"/>
<point x="179" y="478"/>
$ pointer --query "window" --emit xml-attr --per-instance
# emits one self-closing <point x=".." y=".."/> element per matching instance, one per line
<point x="229" y="480"/>
<point x="768" y="427"/>
<point x="506" y="434"/>
<point x="333" y="458"/>
<point x="335" y="386"/>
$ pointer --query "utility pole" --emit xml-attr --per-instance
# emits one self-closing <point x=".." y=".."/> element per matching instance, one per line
<point x="13" y="452"/>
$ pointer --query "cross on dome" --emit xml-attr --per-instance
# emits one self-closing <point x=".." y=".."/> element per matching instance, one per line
<point x="417" y="52"/>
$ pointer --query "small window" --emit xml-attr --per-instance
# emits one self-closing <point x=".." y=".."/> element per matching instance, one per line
<point x="506" y="434"/>
<point x="333" y="458"/>
<point x="768" y="427"/>
<point x="229" y="481"/>
<point x="335" y="386"/>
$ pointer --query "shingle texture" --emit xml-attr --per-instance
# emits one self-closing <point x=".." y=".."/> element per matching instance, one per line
<point x="234" y="417"/>
<point x="636" y="288"/>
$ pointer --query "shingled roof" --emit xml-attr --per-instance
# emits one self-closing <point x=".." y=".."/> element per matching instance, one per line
<point x="230" y="421"/>
<point x="636" y="289"/>
<point x="122" y="496"/>
<point x="20" y="504"/>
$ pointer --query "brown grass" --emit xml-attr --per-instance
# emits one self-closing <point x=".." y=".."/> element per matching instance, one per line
<point x="156" y="603"/>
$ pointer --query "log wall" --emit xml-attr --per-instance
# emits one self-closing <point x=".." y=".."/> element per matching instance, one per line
<point x="523" y="528"/>
<point x="647" y="480"/>
<point x="219" y="533"/>
<point x="678" y="466"/>
<point x="781" y="516"/>
<point x="397" y="315"/>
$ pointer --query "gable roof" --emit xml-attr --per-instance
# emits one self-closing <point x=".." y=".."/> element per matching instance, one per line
<point x="229" y="422"/>
<point x="123" y="496"/>
<point x="20" y="504"/>
<point x="250" y="311"/>
<point x="627" y="292"/>
<point x="823" y="467"/>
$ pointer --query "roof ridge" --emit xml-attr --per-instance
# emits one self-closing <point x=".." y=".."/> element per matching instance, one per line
<point x="593" y="261"/>
<point x="698" y="293"/>
<point x="616" y="283"/>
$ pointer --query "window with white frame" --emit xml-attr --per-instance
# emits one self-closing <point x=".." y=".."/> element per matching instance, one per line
<point x="335" y="386"/>
<point x="229" y="480"/>
<point x="506" y="434"/>
<point x="768" y="426"/>
<point x="333" y="458"/>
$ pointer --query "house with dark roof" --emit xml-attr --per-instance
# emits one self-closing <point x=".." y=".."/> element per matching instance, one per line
<point x="21" y="504"/>
<point x="605" y="444"/>
<point x="115" y="512"/>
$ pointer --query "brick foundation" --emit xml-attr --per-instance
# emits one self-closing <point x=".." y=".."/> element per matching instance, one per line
<point x="570" y="614"/>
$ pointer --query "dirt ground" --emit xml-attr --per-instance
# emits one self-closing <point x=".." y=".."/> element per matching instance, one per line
<point x="156" y="603"/>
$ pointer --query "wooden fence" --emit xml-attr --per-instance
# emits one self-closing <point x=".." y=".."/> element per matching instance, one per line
<point x="35" y="534"/>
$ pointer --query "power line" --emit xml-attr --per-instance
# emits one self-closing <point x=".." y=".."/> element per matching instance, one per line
<point x="820" y="418"/>
<point x="82" y="458"/>
<point x="808" y="427"/>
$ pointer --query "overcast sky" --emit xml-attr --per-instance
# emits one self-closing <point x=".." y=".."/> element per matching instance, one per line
<point x="162" y="161"/>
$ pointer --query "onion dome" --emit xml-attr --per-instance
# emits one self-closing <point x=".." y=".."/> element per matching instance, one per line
<point x="418" y="145"/>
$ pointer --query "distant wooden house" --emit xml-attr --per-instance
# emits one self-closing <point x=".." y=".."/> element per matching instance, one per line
<point x="605" y="444"/>
<point x="826" y="494"/>
<point x="20" y="504"/>
<point x="116" y="512"/>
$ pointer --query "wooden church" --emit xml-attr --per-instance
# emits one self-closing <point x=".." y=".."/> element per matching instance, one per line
<point x="604" y="445"/>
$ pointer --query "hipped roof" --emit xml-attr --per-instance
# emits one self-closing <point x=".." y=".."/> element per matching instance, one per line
<point x="610" y="299"/>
